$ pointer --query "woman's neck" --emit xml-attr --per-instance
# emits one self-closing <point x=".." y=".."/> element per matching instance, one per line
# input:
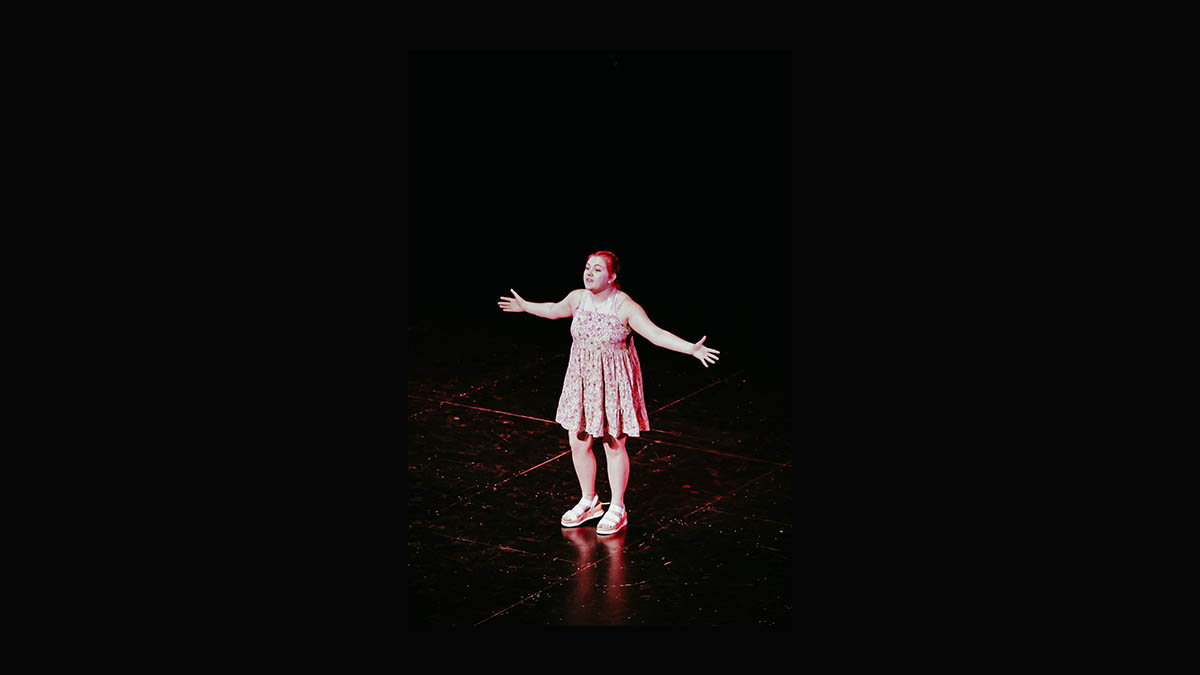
<point x="600" y="296"/>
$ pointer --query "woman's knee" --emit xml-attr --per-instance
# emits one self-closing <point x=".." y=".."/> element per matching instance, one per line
<point x="614" y="444"/>
<point x="579" y="444"/>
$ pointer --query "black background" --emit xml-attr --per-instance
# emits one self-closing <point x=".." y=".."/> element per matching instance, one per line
<point x="930" y="256"/>
<point x="522" y="163"/>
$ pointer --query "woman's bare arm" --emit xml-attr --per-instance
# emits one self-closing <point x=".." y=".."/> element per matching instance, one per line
<point x="641" y="323"/>
<point x="547" y="310"/>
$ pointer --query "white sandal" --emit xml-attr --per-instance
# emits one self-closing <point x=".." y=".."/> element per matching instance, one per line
<point x="582" y="512"/>
<point x="614" y="521"/>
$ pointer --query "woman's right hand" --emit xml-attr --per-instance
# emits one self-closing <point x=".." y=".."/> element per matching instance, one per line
<point x="513" y="304"/>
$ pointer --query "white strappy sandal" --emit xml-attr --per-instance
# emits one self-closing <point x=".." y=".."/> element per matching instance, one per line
<point x="614" y="521"/>
<point x="583" y="512"/>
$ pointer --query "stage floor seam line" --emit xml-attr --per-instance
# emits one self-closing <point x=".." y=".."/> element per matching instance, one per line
<point x="502" y="547"/>
<point x="472" y="407"/>
<point x="765" y="520"/>
<point x="496" y="485"/>
<point x="522" y="600"/>
<point x="707" y="386"/>
<point x="591" y="565"/>
<point x="649" y="440"/>
<point x="727" y="495"/>
<point x="717" y="452"/>
<point x="540" y="419"/>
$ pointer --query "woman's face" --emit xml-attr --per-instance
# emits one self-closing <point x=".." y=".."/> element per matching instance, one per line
<point x="595" y="276"/>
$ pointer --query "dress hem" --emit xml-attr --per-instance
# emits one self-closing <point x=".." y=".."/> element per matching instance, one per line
<point x="633" y="434"/>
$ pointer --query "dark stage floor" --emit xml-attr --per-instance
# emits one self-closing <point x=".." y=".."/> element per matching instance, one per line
<point x="709" y="541"/>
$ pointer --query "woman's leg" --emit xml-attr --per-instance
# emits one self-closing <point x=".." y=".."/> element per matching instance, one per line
<point x="585" y="464"/>
<point x="618" y="468"/>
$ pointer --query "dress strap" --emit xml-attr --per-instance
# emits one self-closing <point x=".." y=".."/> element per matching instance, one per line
<point x="617" y="300"/>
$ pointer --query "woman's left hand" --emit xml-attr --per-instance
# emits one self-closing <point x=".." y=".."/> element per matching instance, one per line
<point x="703" y="353"/>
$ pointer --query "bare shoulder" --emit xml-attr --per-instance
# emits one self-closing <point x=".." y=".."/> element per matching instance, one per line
<point x="627" y="307"/>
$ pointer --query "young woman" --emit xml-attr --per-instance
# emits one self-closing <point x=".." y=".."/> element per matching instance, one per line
<point x="602" y="393"/>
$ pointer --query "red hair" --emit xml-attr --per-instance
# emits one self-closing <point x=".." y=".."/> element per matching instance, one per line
<point x="614" y="263"/>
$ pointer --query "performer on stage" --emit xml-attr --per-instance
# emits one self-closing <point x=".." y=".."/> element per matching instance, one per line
<point x="602" y="393"/>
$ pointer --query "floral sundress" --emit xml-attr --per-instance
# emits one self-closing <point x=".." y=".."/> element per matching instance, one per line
<point x="602" y="392"/>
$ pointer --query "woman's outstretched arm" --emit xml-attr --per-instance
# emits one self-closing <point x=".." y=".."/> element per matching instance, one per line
<point x="661" y="338"/>
<point x="547" y="310"/>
